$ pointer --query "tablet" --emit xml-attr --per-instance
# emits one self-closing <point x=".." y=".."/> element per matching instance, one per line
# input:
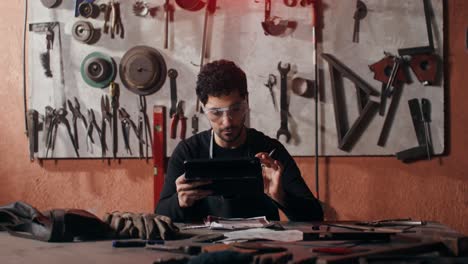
<point x="228" y="176"/>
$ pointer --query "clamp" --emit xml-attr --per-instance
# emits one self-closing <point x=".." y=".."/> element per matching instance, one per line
<point x="106" y="116"/>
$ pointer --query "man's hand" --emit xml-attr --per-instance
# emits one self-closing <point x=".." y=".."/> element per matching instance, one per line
<point x="272" y="171"/>
<point x="188" y="192"/>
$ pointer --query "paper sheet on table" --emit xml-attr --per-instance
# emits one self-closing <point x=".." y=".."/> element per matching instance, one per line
<point x="214" y="222"/>
<point x="263" y="233"/>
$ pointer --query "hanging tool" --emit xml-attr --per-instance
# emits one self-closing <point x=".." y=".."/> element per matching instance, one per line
<point x="159" y="150"/>
<point x="144" y="127"/>
<point x="127" y="124"/>
<point x="270" y="84"/>
<point x="85" y="32"/>
<point x="60" y="117"/>
<point x="176" y="118"/>
<point x="348" y="135"/>
<point x="275" y="26"/>
<point x="116" y="25"/>
<point x="75" y="109"/>
<point x="107" y="10"/>
<point x="315" y="25"/>
<point x="48" y="118"/>
<point x="114" y="91"/>
<point x="422" y="49"/>
<point x="359" y="14"/>
<point x="167" y="10"/>
<point x="172" y="74"/>
<point x="283" y="130"/>
<point x="92" y="125"/>
<point x="46" y="28"/>
<point x="88" y="9"/>
<point x="33" y="132"/>
<point x="106" y="116"/>
<point x="420" y="115"/>
<point x="388" y="71"/>
<point x="424" y="62"/>
<point x="426" y="118"/>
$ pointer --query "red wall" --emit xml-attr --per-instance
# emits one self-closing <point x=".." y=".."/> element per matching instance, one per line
<point x="351" y="188"/>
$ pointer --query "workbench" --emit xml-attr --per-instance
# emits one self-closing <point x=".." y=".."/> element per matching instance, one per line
<point x="434" y="240"/>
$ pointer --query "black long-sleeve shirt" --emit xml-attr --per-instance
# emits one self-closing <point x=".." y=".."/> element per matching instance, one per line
<point x="299" y="202"/>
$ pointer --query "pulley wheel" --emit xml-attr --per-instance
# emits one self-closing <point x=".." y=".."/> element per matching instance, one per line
<point x="83" y="31"/>
<point x="51" y="3"/>
<point x="143" y="70"/>
<point x="98" y="70"/>
<point x="87" y="9"/>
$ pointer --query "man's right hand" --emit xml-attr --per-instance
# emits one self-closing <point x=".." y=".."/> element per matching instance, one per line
<point x="189" y="192"/>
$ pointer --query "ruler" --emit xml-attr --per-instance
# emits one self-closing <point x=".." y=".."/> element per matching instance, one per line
<point x="159" y="150"/>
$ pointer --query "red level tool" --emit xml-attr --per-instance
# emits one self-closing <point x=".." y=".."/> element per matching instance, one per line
<point x="159" y="150"/>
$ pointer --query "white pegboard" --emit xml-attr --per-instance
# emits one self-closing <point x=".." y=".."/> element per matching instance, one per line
<point x="237" y="35"/>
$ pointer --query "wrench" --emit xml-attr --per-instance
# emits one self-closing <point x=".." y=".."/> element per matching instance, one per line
<point x="172" y="74"/>
<point x="283" y="130"/>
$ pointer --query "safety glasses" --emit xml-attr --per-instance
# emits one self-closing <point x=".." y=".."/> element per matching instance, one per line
<point x="235" y="111"/>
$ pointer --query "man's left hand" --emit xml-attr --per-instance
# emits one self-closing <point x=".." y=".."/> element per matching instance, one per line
<point x="272" y="171"/>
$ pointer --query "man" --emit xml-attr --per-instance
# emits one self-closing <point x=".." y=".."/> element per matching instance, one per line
<point x="222" y="90"/>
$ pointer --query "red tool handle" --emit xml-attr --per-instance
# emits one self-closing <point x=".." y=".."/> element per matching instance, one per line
<point x="183" y="127"/>
<point x="174" y="121"/>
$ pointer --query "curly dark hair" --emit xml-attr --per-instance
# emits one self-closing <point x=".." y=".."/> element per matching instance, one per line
<point x="220" y="78"/>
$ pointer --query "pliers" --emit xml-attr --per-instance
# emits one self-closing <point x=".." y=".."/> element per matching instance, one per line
<point x="127" y="124"/>
<point x="60" y="117"/>
<point x="76" y="114"/>
<point x="179" y="116"/>
<point x="92" y="124"/>
<point x="106" y="116"/>
<point x="144" y="127"/>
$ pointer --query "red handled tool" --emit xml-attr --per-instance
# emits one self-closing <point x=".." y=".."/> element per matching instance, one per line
<point x="176" y="118"/>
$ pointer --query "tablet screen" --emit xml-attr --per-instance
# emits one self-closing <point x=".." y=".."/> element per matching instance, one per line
<point x="229" y="176"/>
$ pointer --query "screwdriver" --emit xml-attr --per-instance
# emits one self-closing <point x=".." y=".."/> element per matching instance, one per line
<point x="426" y="116"/>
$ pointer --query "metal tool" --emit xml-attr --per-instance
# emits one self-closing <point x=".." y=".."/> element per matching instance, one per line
<point x="48" y="117"/>
<point x="88" y="9"/>
<point x="107" y="16"/>
<point x="127" y="124"/>
<point x="359" y="14"/>
<point x="116" y="25"/>
<point x="33" y="132"/>
<point x="422" y="49"/>
<point x="167" y="10"/>
<point x="422" y="150"/>
<point x="106" y="116"/>
<point x="275" y="26"/>
<point x="348" y="135"/>
<point x="78" y="3"/>
<point x="46" y="28"/>
<point x="189" y="250"/>
<point x="114" y="94"/>
<point x="144" y="127"/>
<point x="75" y="109"/>
<point x="60" y="117"/>
<point x="270" y="84"/>
<point x="283" y="130"/>
<point x="176" y="118"/>
<point x="426" y="118"/>
<point x="172" y="74"/>
<point x="92" y="125"/>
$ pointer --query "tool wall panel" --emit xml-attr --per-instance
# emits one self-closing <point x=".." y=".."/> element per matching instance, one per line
<point x="235" y="33"/>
